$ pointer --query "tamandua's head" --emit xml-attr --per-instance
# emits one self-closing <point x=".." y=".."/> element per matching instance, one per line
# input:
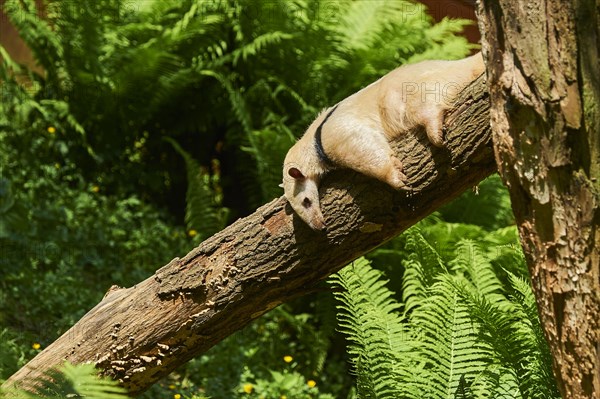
<point x="303" y="167"/>
<point x="302" y="192"/>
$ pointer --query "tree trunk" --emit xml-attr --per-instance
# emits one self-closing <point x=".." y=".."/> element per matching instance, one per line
<point x="542" y="61"/>
<point x="140" y="334"/>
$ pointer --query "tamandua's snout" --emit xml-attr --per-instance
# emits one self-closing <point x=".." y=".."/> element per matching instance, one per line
<point x="304" y="198"/>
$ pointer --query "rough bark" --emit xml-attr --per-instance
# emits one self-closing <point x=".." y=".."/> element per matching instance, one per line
<point x="542" y="61"/>
<point x="139" y="334"/>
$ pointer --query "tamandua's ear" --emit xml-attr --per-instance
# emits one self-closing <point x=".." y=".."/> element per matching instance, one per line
<point x="295" y="173"/>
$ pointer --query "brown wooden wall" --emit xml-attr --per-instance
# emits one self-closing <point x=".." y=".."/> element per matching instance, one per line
<point x="439" y="9"/>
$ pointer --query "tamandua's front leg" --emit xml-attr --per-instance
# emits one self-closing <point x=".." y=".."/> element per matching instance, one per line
<point x="367" y="151"/>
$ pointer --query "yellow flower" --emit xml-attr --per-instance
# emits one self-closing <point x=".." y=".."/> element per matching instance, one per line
<point x="95" y="189"/>
<point x="311" y="383"/>
<point x="288" y="359"/>
<point x="248" y="388"/>
<point x="283" y="397"/>
<point x="51" y="129"/>
<point x="192" y="233"/>
<point x="36" y="346"/>
<point x="171" y="387"/>
<point x="177" y="396"/>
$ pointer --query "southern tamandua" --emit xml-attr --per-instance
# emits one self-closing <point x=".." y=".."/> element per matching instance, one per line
<point x="356" y="132"/>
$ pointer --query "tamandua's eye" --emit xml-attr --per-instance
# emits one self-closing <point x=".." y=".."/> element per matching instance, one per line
<point x="306" y="203"/>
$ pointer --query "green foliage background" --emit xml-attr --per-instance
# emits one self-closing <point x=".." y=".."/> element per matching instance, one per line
<point x="135" y="92"/>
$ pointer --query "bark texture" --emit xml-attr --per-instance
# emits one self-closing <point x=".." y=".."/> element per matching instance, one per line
<point x="140" y="334"/>
<point x="542" y="62"/>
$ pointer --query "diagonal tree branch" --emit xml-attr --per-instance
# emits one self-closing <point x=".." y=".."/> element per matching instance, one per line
<point x="140" y="334"/>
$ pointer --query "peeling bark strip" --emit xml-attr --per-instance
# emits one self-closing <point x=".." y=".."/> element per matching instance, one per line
<point x="140" y="334"/>
<point x="542" y="61"/>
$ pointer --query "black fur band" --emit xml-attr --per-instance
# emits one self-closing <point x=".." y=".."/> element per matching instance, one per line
<point x="319" y="144"/>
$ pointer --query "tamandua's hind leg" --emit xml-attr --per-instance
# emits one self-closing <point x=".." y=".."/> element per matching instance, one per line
<point x="371" y="155"/>
<point x="432" y="118"/>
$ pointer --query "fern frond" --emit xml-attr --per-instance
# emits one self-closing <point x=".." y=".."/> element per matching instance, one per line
<point x="359" y="23"/>
<point x="464" y="389"/>
<point x="17" y="100"/>
<point x="507" y="237"/>
<point x="421" y="268"/>
<point x="139" y="67"/>
<point x="538" y="379"/>
<point x="237" y="101"/>
<point x="258" y="44"/>
<point x="247" y="176"/>
<point x="497" y="383"/>
<point x="36" y="32"/>
<point x="9" y="66"/>
<point x="268" y="148"/>
<point x="472" y="259"/>
<point x="378" y="340"/>
<point x="184" y="21"/>
<point x="449" y="338"/>
<point x="445" y="236"/>
<point x="199" y="20"/>
<point x="283" y="87"/>
<point x="522" y="294"/>
<point x="86" y="382"/>
<point x="73" y="381"/>
<point x="512" y="329"/>
<point x="203" y="211"/>
<point x="494" y="320"/>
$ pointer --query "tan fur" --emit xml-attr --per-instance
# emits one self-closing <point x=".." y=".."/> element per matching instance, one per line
<point x="358" y="133"/>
